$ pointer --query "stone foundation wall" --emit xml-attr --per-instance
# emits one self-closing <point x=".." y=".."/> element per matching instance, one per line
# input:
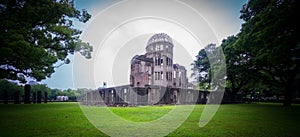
<point x="150" y="95"/>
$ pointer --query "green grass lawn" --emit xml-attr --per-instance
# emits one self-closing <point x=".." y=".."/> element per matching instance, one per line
<point x="67" y="119"/>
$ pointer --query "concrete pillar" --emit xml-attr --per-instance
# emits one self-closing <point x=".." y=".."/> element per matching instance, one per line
<point x="149" y="96"/>
<point x="27" y="94"/>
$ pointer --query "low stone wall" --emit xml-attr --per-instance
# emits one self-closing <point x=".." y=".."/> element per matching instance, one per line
<point x="150" y="95"/>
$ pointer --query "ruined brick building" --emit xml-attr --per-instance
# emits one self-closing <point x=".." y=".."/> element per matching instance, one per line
<point x="154" y="79"/>
<point x="156" y="66"/>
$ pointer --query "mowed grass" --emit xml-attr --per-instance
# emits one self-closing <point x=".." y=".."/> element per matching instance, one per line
<point x="67" y="119"/>
<point x="142" y="113"/>
<point x="52" y="119"/>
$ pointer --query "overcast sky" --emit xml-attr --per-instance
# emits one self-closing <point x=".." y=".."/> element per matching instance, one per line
<point x="120" y="30"/>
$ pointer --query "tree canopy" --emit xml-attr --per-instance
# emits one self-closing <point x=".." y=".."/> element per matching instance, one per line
<point x="36" y="34"/>
<point x="265" y="53"/>
<point x="201" y="69"/>
<point x="209" y="68"/>
<point x="270" y="38"/>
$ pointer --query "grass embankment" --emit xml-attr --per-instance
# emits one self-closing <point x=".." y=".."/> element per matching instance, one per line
<point x="67" y="119"/>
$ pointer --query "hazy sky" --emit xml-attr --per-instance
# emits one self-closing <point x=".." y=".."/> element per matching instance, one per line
<point x="120" y="30"/>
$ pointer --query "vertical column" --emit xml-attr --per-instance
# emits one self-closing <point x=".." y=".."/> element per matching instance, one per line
<point x="86" y="98"/>
<point x="91" y="98"/>
<point x="106" y="97"/>
<point x="175" y="95"/>
<point x="115" y="95"/>
<point x="149" y="96"/>
<point x="39" y="97"/>
<point x="27" y="94"/>
<point x="178" y="96"/>
<point x="94" y="98"/>
<point x="132" y="96"/>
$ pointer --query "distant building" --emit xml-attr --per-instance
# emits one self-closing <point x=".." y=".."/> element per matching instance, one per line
<point x="62" y="98"/>
<point x="156" y="66"/>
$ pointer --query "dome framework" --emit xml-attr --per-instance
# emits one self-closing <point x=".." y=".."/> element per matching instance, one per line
<point x="160" y="37"/>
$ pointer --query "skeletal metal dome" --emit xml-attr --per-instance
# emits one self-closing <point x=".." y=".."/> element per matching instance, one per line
<point x="160" y="37"/>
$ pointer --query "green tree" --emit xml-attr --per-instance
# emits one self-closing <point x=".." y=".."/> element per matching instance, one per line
<point x="36" y="34"/>
<point x="201" y="69"/>
<point x="208" y="68"/>
<point x="54" y="93"/>
<point x="41" y="87"/>
<point x="240" y="72"/>
<point x="270" y="38"/>
<point x="10" y="88"/>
